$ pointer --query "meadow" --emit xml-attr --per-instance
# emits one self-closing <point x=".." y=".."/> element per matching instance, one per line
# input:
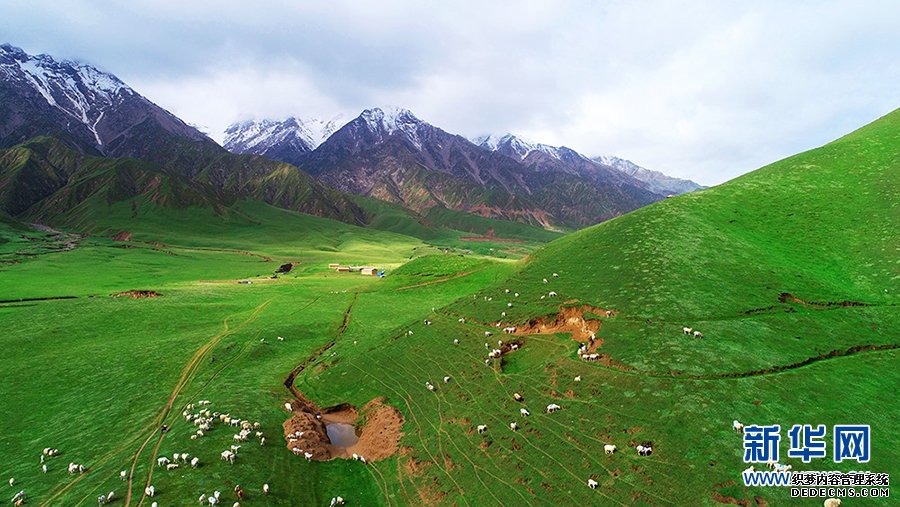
<point x="797" y="303"/>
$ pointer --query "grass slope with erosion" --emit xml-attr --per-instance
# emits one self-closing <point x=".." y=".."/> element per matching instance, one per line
<point x="820" y="226"/>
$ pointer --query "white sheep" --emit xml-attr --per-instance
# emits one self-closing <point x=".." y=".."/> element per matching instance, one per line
<point x="150" y="491"/>
<point x="592" y="483"/>
<point x="162" y="461"/>
<point x="202" y="499"/>
<point x="171" y="466"/>
<point x="687" y="330"/>
<point x="195" y="462"/>
<point x="832" y="502"/>
<point x="447" y="379"/>
<point x="287" y="406"/>
<point x="488" y="333"/>
<point x="552" y="294"/>
<point x="578" y="378"/>
<point x="698" y="334"/>
<point x="737" y="426"/>
<point x="455" y="341"/>
<point x="11" y="482"/>
<point x="44" y="468"/>
<point x="524" y="412"/>
<point x="513" y="426"/>
<point x="110" y="496"/>
<point x="553" y="407"/>
<point x="609" y="448"/>
<point x="266" y="489"/>
<point x="482" y="428"/>
<point x="123" y="474"/>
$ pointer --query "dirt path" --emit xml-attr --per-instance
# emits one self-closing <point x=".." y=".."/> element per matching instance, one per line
<point x="187" y="375"/>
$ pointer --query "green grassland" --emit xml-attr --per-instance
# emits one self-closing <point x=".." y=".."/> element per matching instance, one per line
<point x="91" y="375"/>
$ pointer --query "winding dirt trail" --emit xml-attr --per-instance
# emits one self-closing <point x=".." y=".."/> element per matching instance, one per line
<point x="187" y="375"/>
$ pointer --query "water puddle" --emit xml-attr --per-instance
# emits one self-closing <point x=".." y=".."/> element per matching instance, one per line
<point x="342" y="434"/>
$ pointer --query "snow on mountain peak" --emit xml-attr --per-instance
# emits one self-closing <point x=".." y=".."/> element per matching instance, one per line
<point x="257" y="136"/>
<point x="390" y="120"/>
<point x="513" y="145"/>
<point x="77" y="89"/>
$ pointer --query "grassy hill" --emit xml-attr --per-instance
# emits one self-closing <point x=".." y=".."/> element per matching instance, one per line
<point x="790" y="272"/>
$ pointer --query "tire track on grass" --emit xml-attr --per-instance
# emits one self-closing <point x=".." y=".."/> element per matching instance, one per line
<point x="187" y="375"/>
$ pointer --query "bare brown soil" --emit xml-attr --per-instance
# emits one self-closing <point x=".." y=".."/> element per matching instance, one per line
<point x="138" y="294"/>
<point x="787" y="297"/>
<point x="570" y="319"/>
<point x="123" y="236"/>
<point x="380" y="430"/>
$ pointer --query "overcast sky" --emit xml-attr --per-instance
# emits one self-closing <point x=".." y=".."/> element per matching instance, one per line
<point x="707" y="91"/>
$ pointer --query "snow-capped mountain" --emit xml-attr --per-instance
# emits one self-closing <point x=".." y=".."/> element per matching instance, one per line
<point x="655" y="180"/>
<point x="89" y="108"/>
<point x="280" y="139"/>
<point x="391" y="154"/>
<point x="514" y="146"/>
<point x="568" y="160"/>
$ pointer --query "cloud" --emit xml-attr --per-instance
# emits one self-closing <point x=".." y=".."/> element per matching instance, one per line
<point x="707" y="90"/>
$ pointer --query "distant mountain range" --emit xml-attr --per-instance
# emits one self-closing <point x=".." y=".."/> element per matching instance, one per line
<point x="391" y="154"/>
<point x="58" y="117"/>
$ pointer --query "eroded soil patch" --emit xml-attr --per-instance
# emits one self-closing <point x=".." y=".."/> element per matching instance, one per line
<point x="138" y="294"/>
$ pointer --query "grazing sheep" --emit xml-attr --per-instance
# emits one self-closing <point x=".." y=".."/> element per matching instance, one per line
<point x="517" y="397"/>
<point x="110" y="496"/>
<point x="738" y="426"/>
<point x="162" y="461"/>
<point x="446" y="379"/>
<point x="482" y="428"/>
<point x="123" y="474"/>
<point x="266" y="489"/>
<point x="524" y="412"/>
<point x="516" y="294"/>
<point x="308" y="455"/>
<point x="11" y="482"/>
<point x="751" y="469"/>
<point x="228" y="456"/>
<point x="287" y="406"/>
<point x="461" y="320"/>
<point x="217" y="494"/>
<point x="409" y="333"/>
<point x="555" y="275"/>
<point x="456" y="341"/>
<point x="783" y="468"/>
<point x="101" y="499"/>
<point x="212" y="500"/>
<point x="154" y="504"/>
<point x="44" y="468"/>
<point x="262" y="441"/>
<point x="609" y="448"/>
<point x="592" y="483"/>
<point x="202" y="499"/>
<point x="172" y="466"/>
<point x="509" y="305"/>
<point x="553" y="407"/>
<point x="195" y="462"/>
<point x="506" y="291"/>
<point x="427" y="322"/>
<point x="551" y="294"/>
<point x="698" y="334"/>
<point x="687" y="330"/>
<point x="429" y="386"/>
<point x="832" y="502"/>
<point x="150" y="491"/>
<point x="234" y="448"/>
<point x="281" y="338"/>
<point x="513" y="426"/>
<point x="509" y="330"/>
<point x="488" y="333"/>
<point x="644" y="450"/>
<point x="578" y="378"/>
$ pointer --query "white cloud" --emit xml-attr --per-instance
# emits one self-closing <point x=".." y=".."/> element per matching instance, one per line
<point x="706" y="90"/>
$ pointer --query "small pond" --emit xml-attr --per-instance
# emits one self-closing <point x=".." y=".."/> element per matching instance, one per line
<point x="341" y="434"/>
